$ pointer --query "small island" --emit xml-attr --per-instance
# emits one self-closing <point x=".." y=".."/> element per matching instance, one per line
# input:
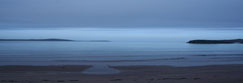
<point x="50" y="39"/>
<point x="93" y="41"/>
<point x="54" y="39"/>
<point x="216" y="41"/>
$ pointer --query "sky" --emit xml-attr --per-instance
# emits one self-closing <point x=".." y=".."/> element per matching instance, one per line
<point x="121" y="13"/>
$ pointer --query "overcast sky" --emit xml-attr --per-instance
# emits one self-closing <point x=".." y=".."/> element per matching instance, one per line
<point x="121" y="13"/>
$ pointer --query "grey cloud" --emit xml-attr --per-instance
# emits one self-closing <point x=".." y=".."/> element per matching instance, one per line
<point x="120" y="13"/>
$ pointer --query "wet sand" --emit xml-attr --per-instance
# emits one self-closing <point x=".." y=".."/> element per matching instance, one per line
<point x="129" y="74"/>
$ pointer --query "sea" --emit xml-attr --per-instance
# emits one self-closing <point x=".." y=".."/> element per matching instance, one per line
<point x="128" y="46"/>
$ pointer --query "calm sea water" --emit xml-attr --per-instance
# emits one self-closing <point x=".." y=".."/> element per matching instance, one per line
<point x="137" y="46"/>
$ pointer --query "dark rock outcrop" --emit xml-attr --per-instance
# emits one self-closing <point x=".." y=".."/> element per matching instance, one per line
<point x="216" y="41"/>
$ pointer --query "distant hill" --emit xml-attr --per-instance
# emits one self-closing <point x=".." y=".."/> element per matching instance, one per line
<point x="216" y="41"/>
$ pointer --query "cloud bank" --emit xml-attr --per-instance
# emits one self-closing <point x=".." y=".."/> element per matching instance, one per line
<point x="121" y="13"/>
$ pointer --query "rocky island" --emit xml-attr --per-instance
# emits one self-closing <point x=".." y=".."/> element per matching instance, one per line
<point x="216" y="41"/>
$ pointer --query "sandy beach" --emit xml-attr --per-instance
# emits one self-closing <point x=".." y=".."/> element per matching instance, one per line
<point x="129" y="74"/>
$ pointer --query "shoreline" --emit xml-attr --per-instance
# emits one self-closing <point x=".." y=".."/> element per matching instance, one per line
<point x="129" y="74"/>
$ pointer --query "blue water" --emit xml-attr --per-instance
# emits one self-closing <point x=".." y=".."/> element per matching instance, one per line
<point x="137" y="46"/>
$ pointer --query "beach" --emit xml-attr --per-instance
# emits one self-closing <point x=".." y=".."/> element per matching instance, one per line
<point x="128" y="74"/>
